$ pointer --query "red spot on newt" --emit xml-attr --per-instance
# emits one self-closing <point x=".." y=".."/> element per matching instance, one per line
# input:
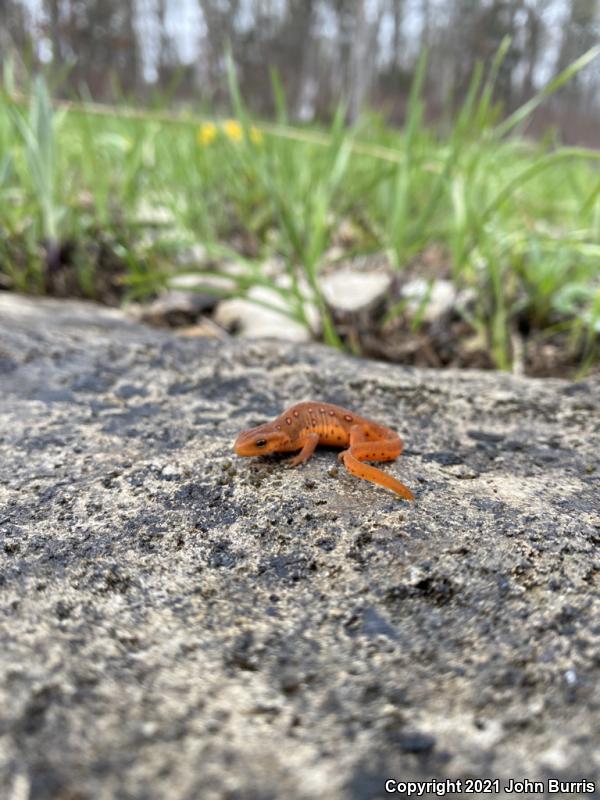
<point x="357" y="434"/>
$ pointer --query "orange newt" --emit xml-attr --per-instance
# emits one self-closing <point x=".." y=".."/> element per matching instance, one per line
<point x="306" y="425"/>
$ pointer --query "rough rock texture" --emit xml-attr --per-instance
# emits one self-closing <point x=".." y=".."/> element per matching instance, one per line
<point x="179" y="623"/>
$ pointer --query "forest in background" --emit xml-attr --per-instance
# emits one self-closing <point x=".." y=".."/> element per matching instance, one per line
<point x="365" y="51"/>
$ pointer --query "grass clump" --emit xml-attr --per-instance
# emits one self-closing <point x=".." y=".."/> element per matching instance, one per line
<point x="110" y="205"/>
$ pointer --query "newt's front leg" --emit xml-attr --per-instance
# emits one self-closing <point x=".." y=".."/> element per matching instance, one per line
<point x="363" y="448"/>
<point x="308" y="448"/>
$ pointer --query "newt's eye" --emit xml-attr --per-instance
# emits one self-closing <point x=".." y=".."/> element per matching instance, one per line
<point x="260" y="442"/>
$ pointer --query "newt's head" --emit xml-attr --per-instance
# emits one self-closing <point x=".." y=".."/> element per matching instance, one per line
<point x="260" y="441"/>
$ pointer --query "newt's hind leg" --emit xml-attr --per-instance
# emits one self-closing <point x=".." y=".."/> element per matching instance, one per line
<point x="366" y="448"/>
<point x="363" y="449"/>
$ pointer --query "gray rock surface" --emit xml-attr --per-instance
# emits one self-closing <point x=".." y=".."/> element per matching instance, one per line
<point x="178" y="623"/>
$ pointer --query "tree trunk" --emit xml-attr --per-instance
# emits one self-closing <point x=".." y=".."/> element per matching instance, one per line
<point x="55" y="36"/>
<point x="359" y="63"/>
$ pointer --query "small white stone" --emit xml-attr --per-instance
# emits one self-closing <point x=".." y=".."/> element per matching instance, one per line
<point x="193" y="254"/>
<point x="439" y="296"/>
<point x="256" y="321"/>
<point x="556" y="757"/>
<point x="570" y="677"/>
<point x="351" y="290"/>
<point x="169" y="471"/>
<point x="192" y="281"/>
<point x="149" y="728"/>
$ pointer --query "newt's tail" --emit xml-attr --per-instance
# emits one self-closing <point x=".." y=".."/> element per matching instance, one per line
<point x="368" y="473"/>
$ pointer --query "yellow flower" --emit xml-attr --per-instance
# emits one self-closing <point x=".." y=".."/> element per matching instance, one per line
<point x="256" y="136"/>
<point x="207" y="133"/>
<point x="233" y="130"/>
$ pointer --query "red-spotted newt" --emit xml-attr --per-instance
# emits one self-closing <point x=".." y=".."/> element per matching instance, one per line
<point x="306" y="425"/>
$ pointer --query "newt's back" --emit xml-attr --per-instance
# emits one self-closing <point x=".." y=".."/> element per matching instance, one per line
<point x="330" y="422"/>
